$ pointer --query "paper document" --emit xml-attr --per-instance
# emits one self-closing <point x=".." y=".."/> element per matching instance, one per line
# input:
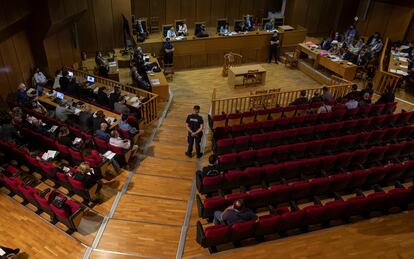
<point x="109" y="155"/>
<point x="77" y="111"/>
<point x="155" y="81"/>
<point x="76" y="141"/>
<point x="110" y="120"/>
<point x="49" y="154"/>
<point x="53" y="128"/>
<point x="403" y="59"/>
<point x="133" y="99"/>
<point x="135" y="104"/>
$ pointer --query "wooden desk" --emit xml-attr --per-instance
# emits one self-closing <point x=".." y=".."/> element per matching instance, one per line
<point x="203" y="52"/>
<point x="341" y="68"/>
<point x="239" y="71"/>
<point x="49" y="102"/>
<point x="397" y="66"/>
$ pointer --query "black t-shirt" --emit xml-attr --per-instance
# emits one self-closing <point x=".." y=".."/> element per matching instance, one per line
<point x="274" y="38"/>
<point x="194" y="121"/>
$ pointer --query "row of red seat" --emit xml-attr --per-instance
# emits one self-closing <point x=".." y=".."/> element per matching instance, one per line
<point x="297" y="110"/>
<point x="285" y="219"/>
<point x="309" y="120"/>
<point x="281" y="193"/>
<point x="275" y="138"/>
<point x="10" y="180"/>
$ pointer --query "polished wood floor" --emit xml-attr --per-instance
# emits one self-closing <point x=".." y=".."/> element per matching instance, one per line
<point x="147" y="221"/>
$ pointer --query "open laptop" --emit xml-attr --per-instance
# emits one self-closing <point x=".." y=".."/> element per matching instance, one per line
<point x="90" y="80"/>
<point x="59" y="97"/>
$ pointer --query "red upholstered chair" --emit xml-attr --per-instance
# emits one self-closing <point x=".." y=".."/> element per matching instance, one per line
<point x="231" y="198"/>
<point x="352" y="113"/>
<point x="63" y="150"/>
<point x="48" y="169"/>
<point x="283" y="123"/>
<point x="340" y="182"/>
<point x="300" y="190"/>
<point x="247" y="158"/>
<point x="343" y="160"/>
<point x="211" y="184"/>
<point x="234" y="178"/>
<point x="363" y="124"/>
<point x="347" y="142"/>
<point x="405" y="133"/>
<point x="311" y="166"/>
<point x="324" y="117"/>
<point x="282" y="153"/>
<point x="320" y="186"/>
<point x="396" y="172"/>
<point x="356" y="206"/>
<point x="335" y="210"/>
<point x="224" y="146"/>
<point x="291" y="169"/>
<point x="298" y="150"/>
<point x="280" y="194"/>
<point x="390" y="108"/>
<point x="376" y="154"/>
<point x="212" y="235"/>
<point x="80" y="189"/>
<point x="291" y="220"/>
<point x="311" y="119"/>
<point x="272" y="172"/>
<point x="409" y="169"/>
<point x="238" y="130"/>
<point x="234" y="119"/>
<point x="376" y="137"/>
<point x="359" y="178"/>
<point x="219" y="121"/>
<point x="71" y="221"/>
<point x="259" y="198"/>
<point x="338" y="114"/>
<point x="62" y="180"/>
<point x="360" y="156"/>
<point x="377" y="121"/>
<point x="390" y="120"/>
<point x="262" y="115"/>
<point x="376" y="175"/>
<point x="330" y="145"/>
<point x="328" y="162"/>
<point x="76" y="155"/>
<point x="266" y="225"/>
<point x="259" y="141"/>
<point x="102" y="144"/>
<point x="391" y="135"/>
<point x="254" y="127"/>
<point x="305" y="133"/>
<point x="228" y="161"/>
<point x="269" y="125"/>
<point x="377" y="201"/>
<point x="264" y="156"/>
<point x="408" y="149"/>
<point x="399" y="197"/>
<point x="210" y="205"/>
<point x="377" y="109"/>
<point x="276" y="113"/>
<point x="240" y="231"/>
<point x="28" y="194"/>
<point x="275" y="138"/>
<point x="241" y="143"/>
<point x="254" y="175"/>
<point x="43" y="204"/>
<point x="393" y="151"/>
<point x="313" y="214"/>
<point x="405" y="118"/>
<point x="320" y="130"/>
<point x="248" y="117"/>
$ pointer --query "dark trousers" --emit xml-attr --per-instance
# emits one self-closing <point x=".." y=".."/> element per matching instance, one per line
<point x="168" y="58"/>
<point x="274" y="52"/>
<point x="197" y="139"/>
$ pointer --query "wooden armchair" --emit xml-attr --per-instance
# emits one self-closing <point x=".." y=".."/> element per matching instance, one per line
<point x="231" y="60"/>
<point x="292" y="58"/>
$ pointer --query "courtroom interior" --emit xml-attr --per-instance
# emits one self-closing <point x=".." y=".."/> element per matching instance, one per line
<point x="206" y="129"/>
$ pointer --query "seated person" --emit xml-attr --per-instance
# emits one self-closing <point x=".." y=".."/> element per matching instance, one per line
<point x="354" y="92"/>
<point x="212" y="169"/>
<point x="62" y="112"/>
<point x="351" y="32"/>
<point x="369" y="89"/>
<point x="114" y="96"/>
<point x="326" y="95"/>
<point x="91" y="153"/>
<point x="101" y="132"/>
<point x="40" y="80"/>
<point x="64" y="80"/>
<point x="22" y="98"/>
<point x="325" y="44"/>
<point x="102" y="98"/>
<point x="270" y="25"/>
<point x="141" y="30"/>
<point x="236" y="213"/>
<point x="248" y="23"/>
<point x="171" y="33"/>
<point x="97" y="119"/>
<point x="7" y="130"/>
<point x="360" y="43"/>
<point x="302" y="99"/>
<point x="201" y="31"/>
<point x="387" y="97"/>
<point x="325" y="108"/>
<point x="103" y="69"/>
<point x="125" y="144"/>
<point x="37" y="126"/>
<point x="337" y="37"/>
<point x="125" y="126"/>
<point x="85" y="119"/>
<point x="138" y="80"/>
<point x="182" y="29"/>
<point x="316" y="98"/>
<point x="352" y="103"/>
<point x="225" y="29"/>
<point x="64" y="137"/>
<point x="121" y="107"/>
<point x="365" y="100"/>
<point x="37" y="106"/>
<point x="85" y="174"/>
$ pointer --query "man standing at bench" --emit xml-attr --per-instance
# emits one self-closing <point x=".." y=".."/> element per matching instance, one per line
<point x="194" y="125"/>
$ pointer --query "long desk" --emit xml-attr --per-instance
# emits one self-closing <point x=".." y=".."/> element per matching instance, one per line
<point x="398" y="63"/>
<point x="342" y="68"/>
<point x="202" y="52"/>
<point x="235" y="72"/>
<point x="49" y="101"/>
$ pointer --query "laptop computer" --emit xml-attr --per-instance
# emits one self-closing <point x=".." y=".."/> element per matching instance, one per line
<point x="90" y="79"/>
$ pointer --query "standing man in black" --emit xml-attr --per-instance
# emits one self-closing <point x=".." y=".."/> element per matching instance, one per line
<point x="169" y="52"/>
<point x="194" y="125"/>
<point x="274" y="48"/>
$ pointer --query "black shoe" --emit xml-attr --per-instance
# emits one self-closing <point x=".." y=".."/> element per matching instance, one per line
<point x="188" y="154"/>
<point x="199" y="155"/>
<point x="16" y="251"/>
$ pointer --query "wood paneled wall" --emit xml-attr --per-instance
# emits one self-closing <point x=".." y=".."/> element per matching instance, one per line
<point x="100" y="27"/>
<point x="16" y="62"/>
<point x="321" y="16"/>
<point x="390" y="20"/>
<point x="202" y="10"/>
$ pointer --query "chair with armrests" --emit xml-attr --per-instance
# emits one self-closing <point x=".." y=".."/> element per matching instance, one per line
<point x="154" y="24"/>
<point x="231" y="60"/>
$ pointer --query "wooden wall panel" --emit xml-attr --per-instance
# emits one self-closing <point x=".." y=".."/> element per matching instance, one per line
<point x="51" y="45"/>
<point x="232" y="11"/>
<point x="188" y="10"/>
<point x="119" y="8"/>
<point x="218" y="10"/>
<point x="157" y="9"/>
<point x="141" y="8"/>
<point x="203" y="10"/>
<point x="8" y="52"/>
<point x="104" y="24"/>
<point x="399" y="22"/>
<point x="259" y="8"/>
<point x="24" y="54"/>
<point x="173" y="10"/>
<point x="246" y="7"/>
<point x="409" y="36"/>
<point x="5" y="86"/>
<point x="314" y="12"/>
<point x="379" y="22"/>
<point x="87" y="30"/>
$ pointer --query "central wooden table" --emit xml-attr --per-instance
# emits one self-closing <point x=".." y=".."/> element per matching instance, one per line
<point x="342" y="68"/>
<point x="240" y="71"/>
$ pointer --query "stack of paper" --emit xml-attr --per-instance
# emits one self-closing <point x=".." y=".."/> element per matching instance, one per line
<point x="133" y="99"/>
<point x="76" y="141"/>
<point x="110" y="120"/>
<point x="50" y="154"/>
<point x="109" y="155"/>
<point x="135" y="104"/>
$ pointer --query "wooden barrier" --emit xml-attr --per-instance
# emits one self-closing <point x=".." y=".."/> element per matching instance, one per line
<point x="384" y="79"/>
<point x="338" y="88"/>
<point x="148" y="107"/>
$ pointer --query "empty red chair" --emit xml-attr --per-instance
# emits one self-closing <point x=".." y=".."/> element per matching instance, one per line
<point x="221" y="132"/>
<point x="234" y="178"/>
<point x="343" y="160"/>
<point x="43" y="203"/>
<point x="224" y="146"/>
<point x="356" y="206"/>
<point x="393" y="151"/>
<point x="234" y="119"/>
<point x="298" y="150"/>
<point x="297" y="121"/>
<point x="264" y="156"/>
<point x="349" y="126"/>
<point x="320" y="130"/>
<point x="227" y="161"/>
<point x="282" y="123"/>
<point x="340" y="182"/>
<point x="241" y="143"/>
<point x="399" y="197"/>
<point x="231" y="198"/>
<point x="291" y="169"/>
<point x="102" y="144"/>
<point x="238" y="130"/>
<point x="311" y="118"/>
<point x="365" y="110"/>
<point x="377" y="109"/>
<point x="289" y="136"/>
<point x="272" y="172"/>
<point x="33" y="162"/>
<point x="335" y="210"/>
<point x="11" y="170"/>
<point x="330" y="145"/>
<point x="390" y="120"/>
<point x="219" y="121"/>
<point x="315" y="147"/>
<point x="404" y="118"/>
<point x="378" y="121"/>
<point x="395" y="172"/>
<point x="362" y="139"/>
<point x="408" y="149"/>
<point x="300" y="190"/>
<point x="376" y="175"/>
<point x="210" y="205"/>
<point x="363" y="124"/>
<point x="347" y="142"/>
<point x="289" y="111"/>
<point x="310" y="166"/>
<point x="240" y="231"/>
<point x="76" y="155"/>
<point x="351" y="113"/>
<point x="360" y="156"/>
<point x="62" y="180"/>
<point x="48" y="169"/>
<point x="359" y="178"/>
<point x="259" y="141"/>
<point x="76" y="131"/>
<point x="269" y="125"/>
<point x="266" y="225"/>
<point x="248" y="117"/>
<point x="12" y="184"/>
<point x="212" y="235"/>
<point x="377" y="201"/>
<point x="335" y="128"/>
<point x="321" y="186"/>
<point x="210" y="184"/>
<point x="247" y="158"/>
<point x="338" y="114"/>
<point x="305" y="133"/>
<point x="282" y="153"/>
<point x="64" y="150"/>
<point x="313" y="214"/>
<point x="376" y="154"/>
<point x="391" y="134"/>
<point x="64" y="217"/>
<point x="291" y="220"/>
<point x="390" y="108"/>
<point x="376" y="137"/>
<point x="302" y="109"/>
<point x="259" y="198"/>
<point x="262" y="115"/>
<point x="276" y="113"/>
<point x="254" y="175"/>
<point x="280" y="194"/>
<point x="254" y="127"/>
<point x="328" y="162"/>
<point x="406" y="132"/>
<point x="324" y="117"/>
<point x="275" y="138"/>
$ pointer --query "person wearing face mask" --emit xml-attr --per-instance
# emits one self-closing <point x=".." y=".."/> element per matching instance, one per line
<point x="236" y="213"/>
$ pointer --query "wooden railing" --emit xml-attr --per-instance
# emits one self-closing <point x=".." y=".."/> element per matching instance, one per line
<point x="149" y="105"/>
<point x="338" y="88"/>
<point x="383" y="79"/>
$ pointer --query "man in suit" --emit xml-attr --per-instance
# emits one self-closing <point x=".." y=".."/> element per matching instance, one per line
<point x="325" y="44"/>
<point x="201" y="31"/>
<point x="248" y="23"/>
<point x="141" y="30"/>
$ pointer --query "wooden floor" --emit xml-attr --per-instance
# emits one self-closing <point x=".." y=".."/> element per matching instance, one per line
<point x="147" y="220"/>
